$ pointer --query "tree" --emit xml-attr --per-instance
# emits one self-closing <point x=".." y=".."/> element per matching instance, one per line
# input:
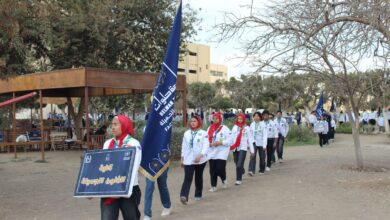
<point x="201" y="95"/>
<point x="299" y="36"/>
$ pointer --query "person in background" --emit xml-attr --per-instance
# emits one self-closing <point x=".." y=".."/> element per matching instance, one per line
<point x="298" y="117"/>
<point x="272" y="138"/>
<point x="193" y="159"/>
<point x="282" y="129"/>
<point x="122" y="129"/>
<point x="372" y="120"/>
<point x="388" y="116"/>
<point x="321" y="128"/>
<point x="381" y="123"/>
<point x="332" y="130"/>
<point x="242" y="141"/>
<point x="341" y="117"/>
<point x="258" y="132"/>
<point x="219" y="139"/>
<point x="162" y="188"/>
<point x="312" y="119"/>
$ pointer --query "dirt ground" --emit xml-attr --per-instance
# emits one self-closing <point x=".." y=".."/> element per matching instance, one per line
<point x="312" y="183"/>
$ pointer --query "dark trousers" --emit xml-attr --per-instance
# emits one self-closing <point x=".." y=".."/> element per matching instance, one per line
<point x="239" y="159"/>
<point x="323" y="139"/>
<point x="189" y="171"/>
<point x="270" y="151"/>
<point x="252" y="161"/>
<point x="128" y="207"/>
<point x="331" y="133"/>
<point x="280" y="146"/>
<point x="217" y="169"/>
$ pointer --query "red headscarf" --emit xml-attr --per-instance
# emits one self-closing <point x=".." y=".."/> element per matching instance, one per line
<point x="199" y="123"/>
<point x="241" y="126"/>
<point x="214" y="126"/>
<point x="126" y="127"/>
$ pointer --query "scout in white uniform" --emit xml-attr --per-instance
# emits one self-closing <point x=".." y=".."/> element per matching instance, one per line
<point x="219" y="139"/>
<point x="322" y="128"/>
<point x="242" y="142"/>
<point x="259" y="137"/>
<point x="282" y="127"/>
<point x="193" y="158"/>
<point x="272" y="138"/>
<point x="122" y="129"/>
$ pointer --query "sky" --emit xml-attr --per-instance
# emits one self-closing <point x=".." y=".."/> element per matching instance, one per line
<point x="211" y="13"/>
<point x="226" y="53"/>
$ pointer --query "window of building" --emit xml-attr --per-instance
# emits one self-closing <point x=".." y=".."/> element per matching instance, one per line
<point x="200" y="69"/>
<point x="216" y="73"/>
<point x="193" y="71"/>
<point x="207" y="66"/>
<point x="180" y="70"/>
<point x="192" y="53"/>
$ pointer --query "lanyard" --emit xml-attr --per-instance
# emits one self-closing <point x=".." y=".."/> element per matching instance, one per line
<point x="193" y="134"/>
<point x="216" y="133"/>
<point x="256" y="127"/>
<point x="127" y="139"/>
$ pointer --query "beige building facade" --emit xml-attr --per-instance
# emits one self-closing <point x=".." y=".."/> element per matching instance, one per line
<point x="195" y="65"/>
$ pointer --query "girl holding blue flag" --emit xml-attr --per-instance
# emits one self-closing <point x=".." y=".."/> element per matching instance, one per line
<point x="219" y="139"/>
<point x="243" y="140"/>
<point x="193" y="158"/>
<point x="122" y="129"/>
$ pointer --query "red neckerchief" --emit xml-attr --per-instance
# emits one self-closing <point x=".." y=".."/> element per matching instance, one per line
<point x="241" y="127"/>
<point x="215" y="127"/>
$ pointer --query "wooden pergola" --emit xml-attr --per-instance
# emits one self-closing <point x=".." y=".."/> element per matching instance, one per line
<point x="84" y="82"/>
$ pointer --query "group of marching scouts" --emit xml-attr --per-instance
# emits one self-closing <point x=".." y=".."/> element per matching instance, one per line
<point x="262" y="136"/>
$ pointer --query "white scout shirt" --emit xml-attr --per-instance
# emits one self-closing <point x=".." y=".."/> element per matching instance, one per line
<point x="272" y="131"/>
<point x="194" y="143"/>
<point x="282" y="126"/>
<point x="220" y="152"/>
<point x="132" y="143"/>
<point x="259" y="133"/>
<point x="312" y="119"/>
<point x="333" y="123"/>
<point x="246" y="138"/>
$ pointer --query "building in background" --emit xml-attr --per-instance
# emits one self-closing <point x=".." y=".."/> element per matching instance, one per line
<point x="195" y="64"/>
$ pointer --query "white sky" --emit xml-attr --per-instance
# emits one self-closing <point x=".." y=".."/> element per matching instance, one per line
<point x="212" y="12"/>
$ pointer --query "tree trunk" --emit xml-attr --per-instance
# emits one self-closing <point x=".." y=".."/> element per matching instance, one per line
<point x="355" y="135"/>
<point x="384" y="112"/>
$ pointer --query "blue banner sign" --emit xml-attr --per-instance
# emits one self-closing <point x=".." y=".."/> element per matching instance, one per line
<point x="107" y="173"/>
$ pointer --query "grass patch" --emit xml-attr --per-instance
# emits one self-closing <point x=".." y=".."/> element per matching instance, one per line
<point x="294" y="142"/>
<point x="41" y="161"/>
<point x="21" y="160"/>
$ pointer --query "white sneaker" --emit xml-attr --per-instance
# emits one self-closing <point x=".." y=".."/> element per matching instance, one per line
<point x="280" y="160"/>
<point x="213" y="189"/>
<point x="267" y="169"/>
<point x="238" y="182"/>
<point x="147" y="217"/>
<point x="166" y="212"/>
<point x="261" y="173"/>
<point x="250" y="173"/>
<point x="225" y="185"/>
<point x="183" y="200"/>
<point x="198" y="198"/>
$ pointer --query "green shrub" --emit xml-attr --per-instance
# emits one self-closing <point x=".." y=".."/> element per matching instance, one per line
<point x="344" y="128"/>
<point x="300" y="134"/>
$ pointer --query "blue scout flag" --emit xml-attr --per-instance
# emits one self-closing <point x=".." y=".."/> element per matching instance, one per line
<point x="320" y="105"/>
<point x="157" y="136"/>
